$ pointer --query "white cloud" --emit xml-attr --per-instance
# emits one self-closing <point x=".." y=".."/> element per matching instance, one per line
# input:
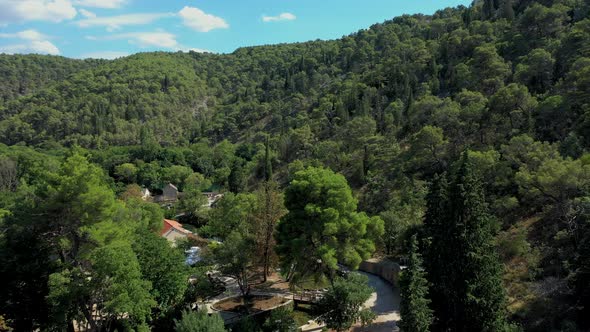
<point x="109" y="55"/>
<point x="12" y="11"/>
<point x="198" y="20"/>
<point x="280" y="17"/>
<point x="144" y="39"/>
<point x="26" y="34"/>
<point x="110" y="4"/>
<point x="31" y="42"/>
<point x="87" y="13"/>
<point x="116" y="22"/>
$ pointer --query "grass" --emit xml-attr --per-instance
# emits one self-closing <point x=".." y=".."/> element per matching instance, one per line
<point x="301" y="316"/>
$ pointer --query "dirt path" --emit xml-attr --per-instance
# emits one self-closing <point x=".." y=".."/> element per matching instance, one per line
<point x="385" y="303"/>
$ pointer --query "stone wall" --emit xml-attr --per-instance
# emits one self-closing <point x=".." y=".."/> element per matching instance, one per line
<point x="386" y="269"/>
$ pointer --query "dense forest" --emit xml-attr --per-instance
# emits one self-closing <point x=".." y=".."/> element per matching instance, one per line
<point x="464" y="137"/>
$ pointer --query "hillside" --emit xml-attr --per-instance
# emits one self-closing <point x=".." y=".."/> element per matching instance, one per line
<point x="27" y="74"/>
<point x="390" y="107"/>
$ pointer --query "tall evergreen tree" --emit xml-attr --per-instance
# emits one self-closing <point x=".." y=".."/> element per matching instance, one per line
<point x="267" y="161"/>
<point x="480" y="294"/>
<point x="415" y="311"/>
<point x="507" y="10"/>
<point x="438" y="250"/>
<point x="468" y="293"/>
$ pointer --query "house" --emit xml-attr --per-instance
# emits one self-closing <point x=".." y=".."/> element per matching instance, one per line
<point x="145" y="194"/>
<point x="173" y="231"/>
<point x="212" y="197"/>
<point x="169" y="192"/>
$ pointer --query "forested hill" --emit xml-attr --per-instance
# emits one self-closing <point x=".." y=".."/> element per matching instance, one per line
<point x="504" y="83"/>
<point x="26" y="74"/>
<point x="508" y="70"/>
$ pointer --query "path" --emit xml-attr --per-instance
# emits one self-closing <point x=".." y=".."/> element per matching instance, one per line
<point x="385" y="302"/>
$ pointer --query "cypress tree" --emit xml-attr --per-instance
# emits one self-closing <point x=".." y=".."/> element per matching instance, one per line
<point x="438" y="250"/>
<point x="488" y="9"/>
<point x="478" y="302"/>
<point x="465" y="272"/>
<point x="267" y="161"/>
<point x="415" y="312"/>
<point x="507" y="10"/>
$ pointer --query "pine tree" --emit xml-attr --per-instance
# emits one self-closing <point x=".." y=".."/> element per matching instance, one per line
<point x="415" y="311"/>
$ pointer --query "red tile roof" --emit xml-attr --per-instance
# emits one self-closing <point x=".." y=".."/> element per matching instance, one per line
<point x="173" y="224"/>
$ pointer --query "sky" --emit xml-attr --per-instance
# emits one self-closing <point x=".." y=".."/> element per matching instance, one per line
<point x="114" y="28"/>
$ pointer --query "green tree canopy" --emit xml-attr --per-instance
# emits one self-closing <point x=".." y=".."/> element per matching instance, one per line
<point x="199" y="321"/>
<point x="323" y="227"/>
<point x="341" y="305"/>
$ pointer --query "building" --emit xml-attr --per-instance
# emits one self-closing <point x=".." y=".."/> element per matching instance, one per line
<point x="212" y="197"/>
<point x="173" y="231"/>
<point x="145" y="194"/>
<point x="169" y="192"/>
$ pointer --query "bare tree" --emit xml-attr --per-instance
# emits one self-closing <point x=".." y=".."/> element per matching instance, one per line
<point x="8" y="174"/>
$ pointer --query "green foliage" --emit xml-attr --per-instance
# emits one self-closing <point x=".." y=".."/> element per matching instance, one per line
<point x="126" y="172"/>
<point x="163" y="266"/>
<point x="280" y="320"/>
<point x="459" y="233"/>
<point x="269" y="210"/>
<point x="199" y="321"/>
<point x="323" y="227"/>
<point x="340" y="307"/>
<point x="415" y="311"/>
<point x="232" y="212"/>
<point x="235" y="257"/>
<point x="387" y="107"/>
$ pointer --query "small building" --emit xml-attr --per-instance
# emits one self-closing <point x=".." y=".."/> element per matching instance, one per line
<point x="173" y="230"/>
<point x="169" y="192"/>
<point x="212" y="197"/>
<point x="145" y="194"/>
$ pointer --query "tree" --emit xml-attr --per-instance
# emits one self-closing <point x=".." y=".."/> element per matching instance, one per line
<point x="132" y="191"/>
<point x="197" y="182"/>
<point x="232" y="212"/>
<point x="428" y="150"/>
<point x="438" y="250"/>
<point x="166" y="271"/>
<point x="269" y="210"/>
<point x="511" y="108"/>
<point x="199" y="321"/>
<point x="489" y="67"/>
<point x="8" y="174"/>
<point x="92" y="269"/>
<point x="193" y="203"/>
<point x="340" y="307"/>
<point x="235" y="257"/>
<point x="280" y="320"/>
<point x="323" y="227"/>
<point x="507" y="10"/>
<point x="176" y="174"/>
<point x="536" y="70"/>
<point x="474" y="293"/>
<point x="267" y="161"/>
<point x="127" y="172"/>
<point x="415" y="312"/>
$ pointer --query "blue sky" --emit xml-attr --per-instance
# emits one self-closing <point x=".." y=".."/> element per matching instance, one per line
<point x="112" y="28"/>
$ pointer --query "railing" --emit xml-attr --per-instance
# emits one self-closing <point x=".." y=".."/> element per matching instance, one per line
<point x="308" y="296"/>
